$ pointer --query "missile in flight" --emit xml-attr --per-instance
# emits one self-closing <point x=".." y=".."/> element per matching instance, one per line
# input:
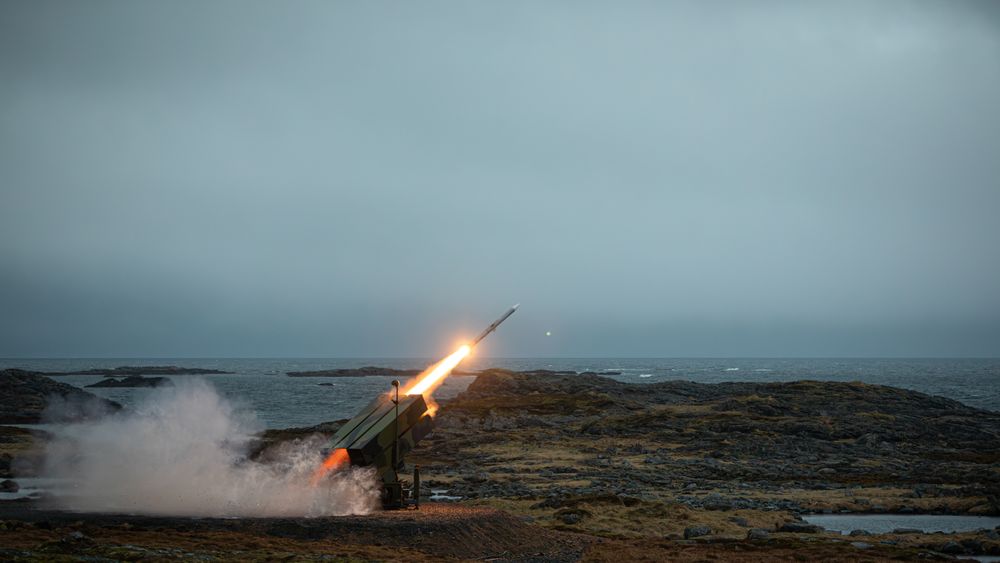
<point x="494" y="326"/>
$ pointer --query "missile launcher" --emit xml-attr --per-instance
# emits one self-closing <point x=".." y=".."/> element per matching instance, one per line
<point x="386" y="430"/>
<point x="370" y="438"/>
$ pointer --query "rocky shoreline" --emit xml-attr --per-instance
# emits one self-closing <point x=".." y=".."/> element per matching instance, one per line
<point x="28" y="397"/>
<point x="123" y="371"/>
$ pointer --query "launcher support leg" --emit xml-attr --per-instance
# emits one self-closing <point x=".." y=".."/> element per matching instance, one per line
<point x="416" y="487"/>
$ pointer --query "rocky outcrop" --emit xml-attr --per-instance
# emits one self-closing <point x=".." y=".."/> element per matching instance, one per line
<point x="25" y="396"/>
<point x="133" y="381"/>
<point x="367" y="371"/>
<point x="123" y="371"/>
<point x="702" y="453"/>
<point x="356" y="372"/>
<point x="802" y="431"/>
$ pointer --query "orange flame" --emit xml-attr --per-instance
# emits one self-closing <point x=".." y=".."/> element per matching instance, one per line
<point x="434" y="376"/>
<point x="333" y="462"/>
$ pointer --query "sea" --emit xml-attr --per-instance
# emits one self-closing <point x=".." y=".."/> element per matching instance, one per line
<point x="279" y="401"/>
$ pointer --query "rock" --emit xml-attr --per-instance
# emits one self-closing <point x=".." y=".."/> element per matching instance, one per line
<point x="696" y="532"/>
<point x="758" y="534"/>
<point x="326" y="384"/>
<point x="571" y="518"/>
<point x="715" y="501"/>
<point x="76" y="538"/>
<point x="739" y="521"/>
<point x="855" y="533"/>
<point x="800" y="528"/>
<point x="861" y="545"/>
<point x="6" y="460"/>
<point x="9" y="486"/>
<point x="478" y="477"/>
<point x="972" y="546"/>
<point x="628" y="500"/>
<point x="133" y="381"/>
<point x="952" y="548"/>
<point x="26" y="395"/>
<point x="907" y="531"/>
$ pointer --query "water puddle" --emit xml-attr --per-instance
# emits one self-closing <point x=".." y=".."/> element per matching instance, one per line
<point x="886" y="523"/>
<point x="31" y="487"/>
<point x="442" y="495"/>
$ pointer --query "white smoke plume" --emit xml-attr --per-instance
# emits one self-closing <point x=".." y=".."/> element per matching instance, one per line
<point x="183" y="453"/>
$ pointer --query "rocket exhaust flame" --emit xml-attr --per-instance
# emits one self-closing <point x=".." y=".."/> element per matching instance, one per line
<point x="334" y="461"/>
<point x="430" y="379"/>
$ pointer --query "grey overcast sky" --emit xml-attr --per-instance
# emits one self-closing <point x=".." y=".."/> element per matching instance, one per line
<point x="190" y="178"/>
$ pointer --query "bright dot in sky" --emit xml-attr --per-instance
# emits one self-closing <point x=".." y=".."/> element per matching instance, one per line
<point x="548" y="333"/>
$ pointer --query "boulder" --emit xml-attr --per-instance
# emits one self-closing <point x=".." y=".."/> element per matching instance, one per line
<point x="800" y="528"/>
<point x="715" y="501"/>
<point x="696" y="532"/>
<point x="758" y="534"/>
<point x="8" y="486"/>
<point x="571" y="518"/>
<point x="861" y="545"/>
<point x="952" y="548"/>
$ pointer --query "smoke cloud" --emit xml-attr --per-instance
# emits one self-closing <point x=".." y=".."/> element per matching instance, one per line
<point x="183" y="452"/>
